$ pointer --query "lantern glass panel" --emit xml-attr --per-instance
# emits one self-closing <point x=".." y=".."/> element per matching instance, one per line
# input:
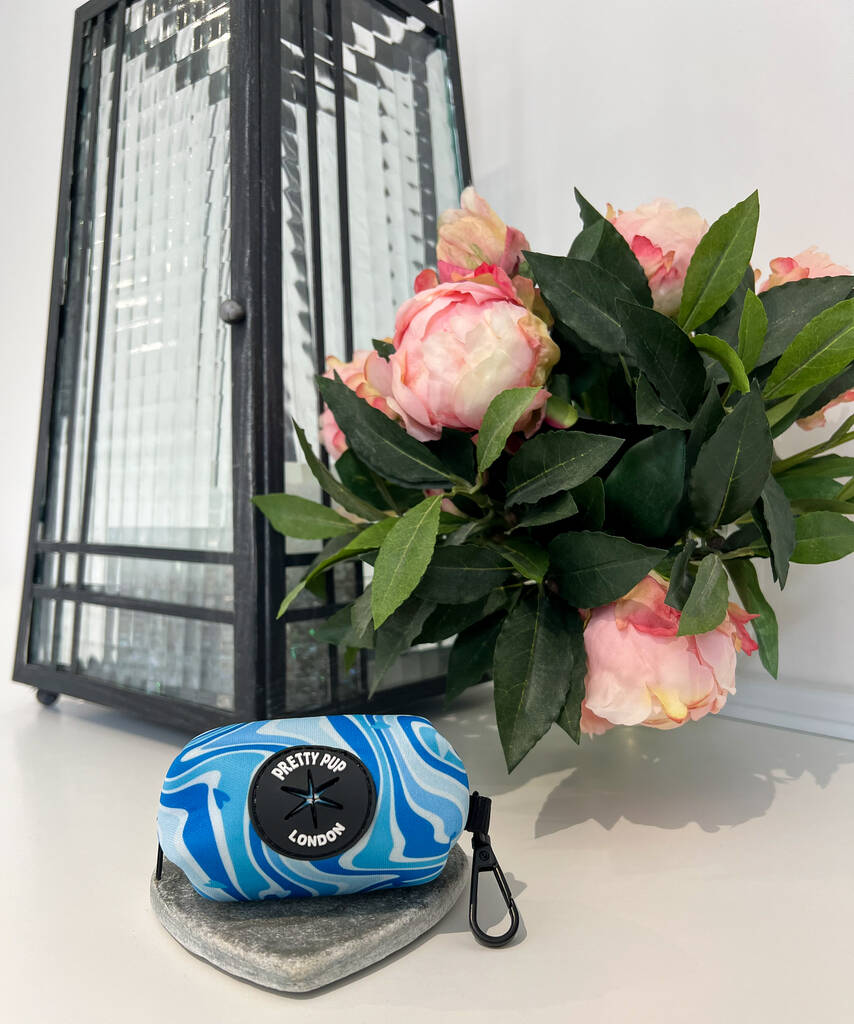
<point x="160" y="420"/>
<point x="390" y="102"/>
<point x="158" y="654"/>
<point x="162" y="460"/>
<point x="140" y="438"/>
<point x="401" y="168"/>
<point x="61" y="519"/>
<point x="192" y="584"/>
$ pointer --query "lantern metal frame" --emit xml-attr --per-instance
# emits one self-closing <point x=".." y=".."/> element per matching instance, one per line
<point x="258" y="409"/>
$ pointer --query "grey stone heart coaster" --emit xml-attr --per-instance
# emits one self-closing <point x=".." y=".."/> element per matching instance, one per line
<point x="303" y="944"/>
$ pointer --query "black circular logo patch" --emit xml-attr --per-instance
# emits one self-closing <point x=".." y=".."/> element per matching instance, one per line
<point x="312" y="802"/>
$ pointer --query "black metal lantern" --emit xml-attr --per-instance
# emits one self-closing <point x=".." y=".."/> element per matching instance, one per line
<point x="247" y="186"/>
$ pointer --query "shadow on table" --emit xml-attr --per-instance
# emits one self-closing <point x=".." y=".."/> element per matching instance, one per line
<point x="716" y="773"/>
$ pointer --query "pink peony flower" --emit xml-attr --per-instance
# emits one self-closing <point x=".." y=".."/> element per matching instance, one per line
<point x="474" y="235"/>
<point x="369" y="375"/>
<point x="461" y="343"/>
<point x="809" y="263"/>
<point x="640" y="672"/>
<point x="663" y="237"/>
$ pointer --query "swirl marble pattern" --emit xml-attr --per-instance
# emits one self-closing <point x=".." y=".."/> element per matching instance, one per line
<point x="204" y="825"/>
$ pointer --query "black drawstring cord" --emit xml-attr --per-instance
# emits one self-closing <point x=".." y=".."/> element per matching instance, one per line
<point x="484" y="859"/>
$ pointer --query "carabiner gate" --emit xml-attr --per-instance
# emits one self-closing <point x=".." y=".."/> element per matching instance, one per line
<point x="484" y="859"/>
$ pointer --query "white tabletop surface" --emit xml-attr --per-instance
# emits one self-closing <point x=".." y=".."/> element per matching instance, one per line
<point x="692" y="876"/>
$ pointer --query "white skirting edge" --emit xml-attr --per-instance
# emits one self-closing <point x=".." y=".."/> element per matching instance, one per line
<point x="793" y="704"/>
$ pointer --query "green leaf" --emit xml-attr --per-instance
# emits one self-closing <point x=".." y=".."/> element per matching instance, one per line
<point x="743" y="575"/>
<point x="472" y="654"/>
<point x="293" y="516"/>
<point x="530" y="671"/>
<point x="790" y="307"/>
<point x="602" y="244"/>
<point x="370" y="487"/>
<point x="667" y="358"/>
<point x="560" y="386"/>
<point x="501" y="416"/>
<point x="805" y="505"/>
<point x="358" y="479"/>
<point x="587" y="211"/>
<point x="775" y="520"/>
<point x="335" y="628"/>
<point x="370" y="538"/>
<point x="823" y="348"/>
<point x="576" y="657"/>
<point x="795" y="407"/>
<point x="582" y="297"/>
<point x="381" y="444"/>
<point x="832" y="466"/>
<point x="384" y="348"/>
<point x="809" y="488"/>
<point x="645" y="488"/>
<point x="724" y="323"/>
<point x="462" y="573"/>
<point x="586" y="242"/>
<point x="337" y="491"/>
<point x="718" y="349"/>
<point x="747" y="536"/>
<point x="362" y="620"/>
<point x="316" y="586"/>
<point x="556" y="461"/>
<point x="593" y="569"/>
<point x="403" y="557"/>
<point x="681" y="580"/>
<point x="549" y="510"/>
<point x="822" y="537"/>
<point x="504" y="598"/>
<point x="396" y="635"/>
<point x="651" y="411"/>
<point x="707" y="603"/>
<point x="527" y="558"/>
<point x="455" y="451"/>
<point x="704" y="424"/>
<point x="590" y="499"/>
<point x="449" y="523"/>
<point x="733" y="465"/>
<point x="782" y="415"/>
<point x="449" y="619"/>
<point x="351" y="627"/>
<point x="718" y="263"/>
<point x="752" y="328"/>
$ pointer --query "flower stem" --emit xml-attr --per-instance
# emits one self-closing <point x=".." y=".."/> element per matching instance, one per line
<point x="745" y="553"/>
<point x="839" y="436"/>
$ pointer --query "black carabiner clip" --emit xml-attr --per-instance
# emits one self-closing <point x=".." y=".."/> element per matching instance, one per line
<point x="484" y="859"/>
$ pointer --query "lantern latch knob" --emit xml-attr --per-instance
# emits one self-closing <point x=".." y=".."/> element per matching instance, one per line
<point x="232" y="311"/>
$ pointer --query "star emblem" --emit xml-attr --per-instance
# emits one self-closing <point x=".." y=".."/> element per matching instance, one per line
<point x="312" y="797"/>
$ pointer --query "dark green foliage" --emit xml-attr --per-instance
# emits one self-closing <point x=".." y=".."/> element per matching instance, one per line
<point x="733" y="465"/>
<point x="644" y="490"/>
<point x="596" y="568"/>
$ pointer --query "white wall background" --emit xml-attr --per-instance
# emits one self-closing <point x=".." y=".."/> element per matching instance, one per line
<point x="697" y="100"/>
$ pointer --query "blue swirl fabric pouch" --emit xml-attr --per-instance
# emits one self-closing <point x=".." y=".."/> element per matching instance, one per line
<point x="300" y="807"/>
